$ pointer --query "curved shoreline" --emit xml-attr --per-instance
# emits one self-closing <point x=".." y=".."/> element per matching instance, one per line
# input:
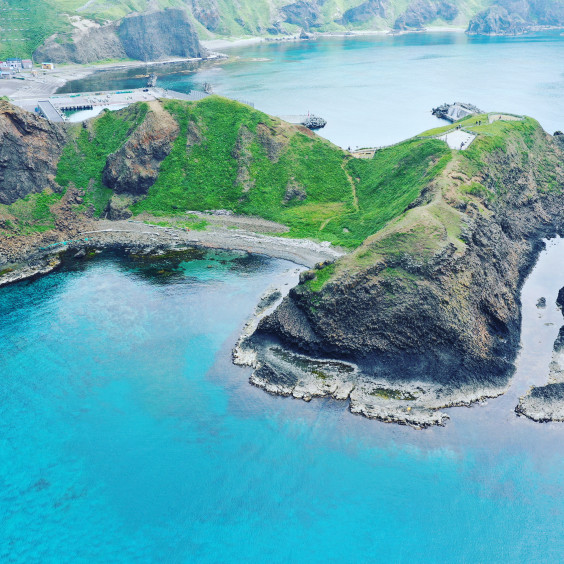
<point x="146" y="239"/>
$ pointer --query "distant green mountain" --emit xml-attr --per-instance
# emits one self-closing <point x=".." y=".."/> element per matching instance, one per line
<point x="26" y="24"/>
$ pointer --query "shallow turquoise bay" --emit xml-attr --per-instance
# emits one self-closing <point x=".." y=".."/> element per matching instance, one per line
<point x="126" y="435"/>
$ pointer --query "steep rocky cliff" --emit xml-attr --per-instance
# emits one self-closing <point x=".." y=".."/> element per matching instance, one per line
<point x="159" y="34"/>
<point x="364" y="12"/>
<point x="30" y="148"/>
<point x="207" y="13"/>
<point x="303" y="13"/>
<point x="134" y="167"/>
<point x="146" y="37"/>
<point x="514" y="17"/>
<point x="422" y="12"/>
<point x="433" y="299"/>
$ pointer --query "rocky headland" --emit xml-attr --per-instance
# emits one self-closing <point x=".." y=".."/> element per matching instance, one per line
<point x="145" y="37"/>
<point x="411" y="301"/>
<point x="511" y="17"/>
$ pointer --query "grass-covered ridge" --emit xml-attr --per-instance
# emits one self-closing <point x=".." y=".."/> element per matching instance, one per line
<point x="84" y="158"/>
<point x="230" y="156"/>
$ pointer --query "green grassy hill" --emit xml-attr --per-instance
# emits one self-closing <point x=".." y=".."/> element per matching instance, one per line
<point x="226" y="155"/>
<point x="24" y="25"/>
<point x="230" y="156"/>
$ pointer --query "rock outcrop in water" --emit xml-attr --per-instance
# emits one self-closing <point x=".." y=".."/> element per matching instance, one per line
<point x="546" y="403"/>
<point x="145" y="37"/>
<point x="30" y="148"/>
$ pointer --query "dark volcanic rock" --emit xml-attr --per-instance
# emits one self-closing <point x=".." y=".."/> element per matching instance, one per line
<point x="451" y="317"/>
<point x="159" y="34"/>
<point x="543" y="404"/>
<point x="151" y="36"/>
<point x="364" y="13"/>
<point x="560" y="299"/>
<point x="30" y="148"/>
<point x="421" y="12"/>
<point x="496" y="20"/>
<point x="207" y="13"/>
<point x="541" y="303"/>
<point x="134" y="168"/>
<point x="303" y="13"/>
<point x="513" y="17"/>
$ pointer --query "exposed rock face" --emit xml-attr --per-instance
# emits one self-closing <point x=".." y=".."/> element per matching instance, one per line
<point x="496" y="20"/>
<point x="364" y="13"/>
<point x="86" y="46"/>
<point x="450" y="317"/>
<point x="144" y="37"/>
<point x="514" y="17"/>
<point x="207" y="13"/>
<point x="560" y="299"/>
<point x="421" y="12"/>
<point x="303" y="13"/>
<point x="30" y="148"/>
<point x="159" y="34"/>
<point x="134" y="168"/>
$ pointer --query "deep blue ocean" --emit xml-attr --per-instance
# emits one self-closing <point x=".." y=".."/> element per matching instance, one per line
<point x="126" y="435"/>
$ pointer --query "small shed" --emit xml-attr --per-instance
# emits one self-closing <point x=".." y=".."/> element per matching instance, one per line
<point x="47" y="66"/>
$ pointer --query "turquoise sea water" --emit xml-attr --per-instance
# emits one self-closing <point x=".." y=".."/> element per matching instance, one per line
<point x="126" y="435"/>
<point x="377" y="90"/>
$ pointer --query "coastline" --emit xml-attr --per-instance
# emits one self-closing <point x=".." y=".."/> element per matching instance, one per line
<point x="22" y="93"/>
<point x="233" y="42"/>
<point x="276" y="370"/>
<point x="141" y="238"/>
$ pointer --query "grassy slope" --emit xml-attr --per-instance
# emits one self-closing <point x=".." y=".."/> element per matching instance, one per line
<point x="31" y="214"/>
<point x="207" y="175"/>
<point x="230" y="156"/>
<point x="475" y="177"/>
<point x="30" y="23"/>
<point x="84" y="158"/>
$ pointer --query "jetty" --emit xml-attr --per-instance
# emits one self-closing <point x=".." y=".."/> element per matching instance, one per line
<point x="58" y="107"/>
<point x="456" y="111"/>
<point x="308" y="120"/>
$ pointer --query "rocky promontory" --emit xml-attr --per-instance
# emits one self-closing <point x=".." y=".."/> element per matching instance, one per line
<point x="508" y="17"/>
<point x="412" y="298"/>
<point x="429" y="306"/>
<point x="146" y="37"/>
